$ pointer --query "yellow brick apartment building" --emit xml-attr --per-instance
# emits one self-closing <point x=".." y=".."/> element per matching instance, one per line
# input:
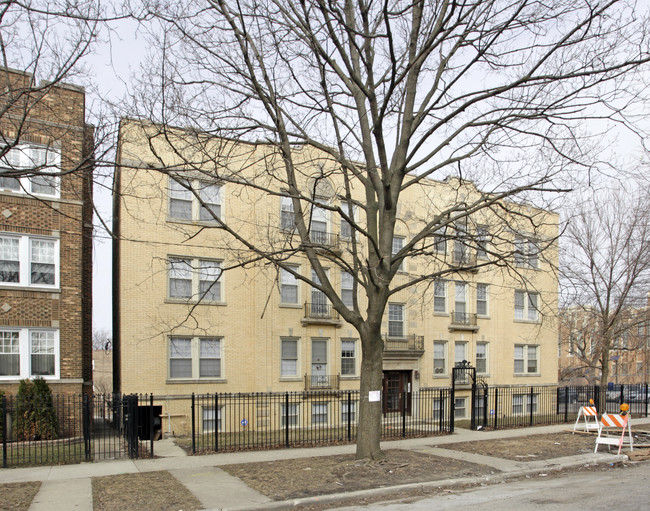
<point x="190" y="318"/>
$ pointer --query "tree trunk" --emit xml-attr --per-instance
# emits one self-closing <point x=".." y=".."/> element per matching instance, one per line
<point x="604" y="377"/>
<point x="369" y="428"/>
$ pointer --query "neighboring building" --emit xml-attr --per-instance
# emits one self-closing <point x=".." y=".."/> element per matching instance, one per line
<point x="103" y="371"/>
<point x="259" y="330"/>
<point x="580" y="343"/>
<point x="45" y="235"/>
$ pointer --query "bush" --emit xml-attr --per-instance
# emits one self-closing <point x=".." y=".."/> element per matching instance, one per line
<point x="35" y="413"/>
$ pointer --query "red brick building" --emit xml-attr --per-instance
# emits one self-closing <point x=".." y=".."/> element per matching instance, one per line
<point x="45" y="234"/>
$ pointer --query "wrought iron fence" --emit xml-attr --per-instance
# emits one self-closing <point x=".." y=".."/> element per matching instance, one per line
<point x="230" y="422"/>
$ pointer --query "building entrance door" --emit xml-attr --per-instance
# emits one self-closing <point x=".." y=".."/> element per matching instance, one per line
<point x="395" y="385"/>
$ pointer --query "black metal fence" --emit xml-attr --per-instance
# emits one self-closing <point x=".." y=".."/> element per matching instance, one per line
<point x="71" y="428"/>
<point x="76" y="428"/>
<point x="229" y="422"/>
<point x="511" y="407"/>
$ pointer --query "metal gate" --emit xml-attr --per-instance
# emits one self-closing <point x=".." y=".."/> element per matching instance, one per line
<point x="463" y="375"/>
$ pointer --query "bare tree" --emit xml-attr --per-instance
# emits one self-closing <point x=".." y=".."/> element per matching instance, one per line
<point x="102" y="340"/>
<point x="605" y="274"/>
<point x="393" y="93"/>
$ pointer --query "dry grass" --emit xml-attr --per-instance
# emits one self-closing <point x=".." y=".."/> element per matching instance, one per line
<point x="18" y="496"/>
<point x="136" y="492"/>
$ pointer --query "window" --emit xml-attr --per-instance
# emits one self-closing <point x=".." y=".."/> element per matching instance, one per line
<point x="460" y="408"/>
<point x="460" y="304"/>
<point x="518" y="403"/>
<point x="526" y="306"/>
<point x="348" y="357"/>
<point x="440" y="241"/>
<point x="482" y="236"/>
<point x="440" y="296"/>
<point x="319" y="306"/>
<point x="211" y="419"/>
<point x="482" y="357"/>
<point x="319" y="413"/>
<point x="287" y="216"/>
<point x="347" y="289"/>
<point x="194" y="200"/>
<point x="482" y="299"/>
<point x="288" y="286"/>
<point x="26" y="353"/>
<point x="318" y="226"/>
<point x="526" y="359"/>
<point x="395" y="320"/>
<point x="195" y="279"/>
<point x="398" y="244"/>
<point x="195" y="357"/>
<point x="319" y="376"/>
<point x="27" y="261"/>
<point x="210" y="358"/>
<point x="348" y="413"/>
<point x="526" y="252"/>
<point x="28" y="159"/>
<point x="461" y="250"/>
<point x="346" y="228"/>
<point x="289" y="364"/>
<point x="460" y="352"/>
<point x="289" y="414"/>
<point x="439" y="357"/>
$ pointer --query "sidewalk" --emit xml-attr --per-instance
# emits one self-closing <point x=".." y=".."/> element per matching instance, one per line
<point x="69" y="486"/>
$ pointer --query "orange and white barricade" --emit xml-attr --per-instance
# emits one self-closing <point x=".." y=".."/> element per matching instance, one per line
<point x="613" y="423"/>
<point x="589" y="414"/>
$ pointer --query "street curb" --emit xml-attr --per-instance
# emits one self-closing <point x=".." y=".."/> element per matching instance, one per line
<point x="491" y="479"/>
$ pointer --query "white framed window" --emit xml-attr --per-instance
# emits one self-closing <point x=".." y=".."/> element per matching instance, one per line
<point x="348" y="412"/>
<point x="39" y="164"/>
<point x="440" y="296"/>
<point x="460" y="303"/>
<point x="460" y="408"/>
<point x="482" y="357"/>
<point x="526" y="252"/>
<point x="440" y="241"/>
<point x="439" y="358"/>
<point x="348" y="357"/>
<point x="460" y="351"/>
<point x="347" y="289"/>
<point x="195" y="358"/>
<point x="346" y="228"/>
<point x="195" y="200"/>
<point x="482" y="240"/>
<point x="398" y="244"/>
<point x="319" y="307"/>
<point x="319" y="412"/>
<point x="211" y="420"/>
<point x="289" y="286"/>
<point x="194" y="279"/>
<point x="318" y="229"/>
<point x="526" y="359"/>
<point x="482" y="300"/>
<point x="28" y="353"/>
<point x="289" y="414"/>
<point x="518" y="401"/>
<point x="289" y="358"/>
<point x="319" y="363"/>
<point x="396" y="320"/>
<point x="29" y="261"/>
<point x="526" y="306"/>
<point x="287" y="214"/>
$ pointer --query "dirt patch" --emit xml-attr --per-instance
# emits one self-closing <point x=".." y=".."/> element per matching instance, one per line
<point x="18" y="496"/>
<point x="530" y="448"/>
<point x="282" y="480"/>
<point x="150" y="490"/>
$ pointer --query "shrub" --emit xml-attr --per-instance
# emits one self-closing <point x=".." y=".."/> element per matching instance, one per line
<point x="35" y="413"/>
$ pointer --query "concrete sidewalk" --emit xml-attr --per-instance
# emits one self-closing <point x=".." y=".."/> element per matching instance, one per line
<point x="69" y="486"/>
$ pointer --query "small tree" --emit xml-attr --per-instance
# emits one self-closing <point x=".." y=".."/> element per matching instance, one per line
<point x="35" y="414"/>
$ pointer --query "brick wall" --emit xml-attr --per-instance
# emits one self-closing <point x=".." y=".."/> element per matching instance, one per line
<point x="53" y="116"/>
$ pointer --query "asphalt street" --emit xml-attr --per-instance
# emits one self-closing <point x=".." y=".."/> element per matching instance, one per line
<point x="620" y="489"/>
